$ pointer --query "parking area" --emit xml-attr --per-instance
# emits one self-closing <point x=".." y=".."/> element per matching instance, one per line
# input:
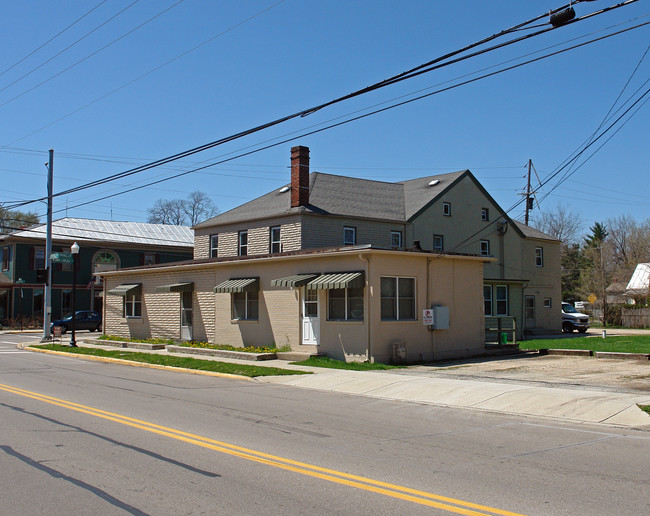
<point x="552" y="370"/>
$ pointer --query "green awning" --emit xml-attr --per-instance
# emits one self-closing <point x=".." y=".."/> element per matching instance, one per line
<point x="176" y="287"/>
<point x="337" y="280"/>
<point x="238" y="285"/>
<point x="129" y="289"/>
<point x="297" y="280"/>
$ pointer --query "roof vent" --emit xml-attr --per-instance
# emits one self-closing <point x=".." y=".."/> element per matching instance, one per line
<point x="434" y="182"/>
<point x="284" y="189"/>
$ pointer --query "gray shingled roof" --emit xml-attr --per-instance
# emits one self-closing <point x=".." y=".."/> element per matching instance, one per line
<point x="345" y="196"/>
<point x="533" y="233"/>
<point x="110" y="231"/>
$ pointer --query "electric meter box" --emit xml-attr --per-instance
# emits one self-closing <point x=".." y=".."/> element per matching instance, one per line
<point x="440" y="317"/>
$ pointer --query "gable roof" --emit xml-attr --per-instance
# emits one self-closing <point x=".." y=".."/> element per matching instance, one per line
<point x="531" y="232"/>
<point x="345" y="196"/>
<point x="110" y="231"/>
<point x="638" y="283"/>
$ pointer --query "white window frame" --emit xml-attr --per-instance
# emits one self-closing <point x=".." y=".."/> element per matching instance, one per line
<point x="539" y="257"/>
<point x="485" y="214"/>
<point x="275" y="244"/>
<point x="349" y="230"/>
<point x="548" y="302"/>
<point x="347" y="310"/>
<point x="393" y="235"/>
<point x="214" y="245"/>
<point x="485" y="248"/>
<point x="242" y="243"/>
<point x="397" y="298"/>
<point x="446" y="209"/>
<point x="441" y="247"/>
<point x="132" y="306"/>
<point x="498" y="300"/>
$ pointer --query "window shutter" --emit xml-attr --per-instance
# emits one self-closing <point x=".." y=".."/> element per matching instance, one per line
<point x="141" y="258"/>
<point x="157" y="258"/>
<point x="31" y="258"/>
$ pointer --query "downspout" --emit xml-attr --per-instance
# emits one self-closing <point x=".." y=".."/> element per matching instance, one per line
<point x="433" y="341"/>
<point x="369" y="320"/>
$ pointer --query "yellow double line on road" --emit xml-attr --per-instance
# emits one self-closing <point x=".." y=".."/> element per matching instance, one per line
<point x="330" y="475"/>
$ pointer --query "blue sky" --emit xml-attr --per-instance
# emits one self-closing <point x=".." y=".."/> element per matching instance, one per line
<point x="129" y="93"/>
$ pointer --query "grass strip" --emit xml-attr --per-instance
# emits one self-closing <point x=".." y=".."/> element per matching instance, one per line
<point x="338" y="364"/>
<point x="618" y="344"/>
<point x="645" y="408"/>
<point x="173" y="361"/>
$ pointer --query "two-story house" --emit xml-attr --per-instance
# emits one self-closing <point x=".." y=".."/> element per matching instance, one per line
<point x="349" y="265"/>
<point x="104" y="245"/>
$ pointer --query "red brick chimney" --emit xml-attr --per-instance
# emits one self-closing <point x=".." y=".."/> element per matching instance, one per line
<point x="299" y="176"/>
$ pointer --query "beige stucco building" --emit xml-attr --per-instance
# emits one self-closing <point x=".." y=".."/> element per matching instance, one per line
<point x="352" y="303"/>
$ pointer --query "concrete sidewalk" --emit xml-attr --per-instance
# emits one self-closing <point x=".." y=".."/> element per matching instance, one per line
<point x="579" y="404"/>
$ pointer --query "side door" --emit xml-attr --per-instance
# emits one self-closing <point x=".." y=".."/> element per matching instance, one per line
<point x="310" y="317"/>
<point x="186" y="315"/>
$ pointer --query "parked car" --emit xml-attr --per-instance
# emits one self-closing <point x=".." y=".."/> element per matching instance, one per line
<point x="84" y="320"/>
<point x="573" y="320"/>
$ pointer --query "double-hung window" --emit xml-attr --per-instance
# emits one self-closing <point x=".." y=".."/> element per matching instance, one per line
<point x="485" y="214"/>
<point x="6" y="258"/>
<point x="275" y="246"/>
<point x="396" y="239"/>
<point x="485" y="248"/>
<point x="501" y="299"/>
<point x="446" y="209"/>
<point x="349" y="236"/>
<point x="487" y="300"/>
<point x="539" y="256"/>
<point x="214" y="246"/>
<point x="397" y="299"/>
<point x="345" y="304"/>
<point x="245" y="306"/>
<point x="438" y="243"/>
<point x="132" y="306"/>
<point x="243" y="243"/>
<point x="39" y="258"/>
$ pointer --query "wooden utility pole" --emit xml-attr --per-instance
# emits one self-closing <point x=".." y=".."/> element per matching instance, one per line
<point x="528" y="198"/>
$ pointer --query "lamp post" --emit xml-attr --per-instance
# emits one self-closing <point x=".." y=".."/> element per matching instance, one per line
<point x="74" y="249"/>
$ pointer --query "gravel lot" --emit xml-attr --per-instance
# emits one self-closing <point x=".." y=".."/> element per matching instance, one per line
<point x="607" y="374"/>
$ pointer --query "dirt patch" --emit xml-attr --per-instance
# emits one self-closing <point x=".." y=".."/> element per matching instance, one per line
<point x="610" y="374"/>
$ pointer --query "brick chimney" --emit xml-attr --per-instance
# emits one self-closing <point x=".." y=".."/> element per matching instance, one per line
<point x="299" y="176"/>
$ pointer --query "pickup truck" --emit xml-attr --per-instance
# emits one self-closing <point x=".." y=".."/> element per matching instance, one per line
<point x="573" y="320"/>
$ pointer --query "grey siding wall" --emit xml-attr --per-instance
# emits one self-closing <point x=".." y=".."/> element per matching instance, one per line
<point x="321" y="231"/>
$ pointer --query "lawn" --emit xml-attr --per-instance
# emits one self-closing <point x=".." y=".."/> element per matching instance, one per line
<point x="173" y="361"/>
<point x="338" y="364"/>
<point x="620" y="344"/>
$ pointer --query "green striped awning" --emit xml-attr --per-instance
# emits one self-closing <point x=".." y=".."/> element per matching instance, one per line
<point x="130" y="289"/>
<point x="176" y="287"/>
<point x="238" y="285"/>
<point x="297" y="280"/>
<point x="337" y="280"/>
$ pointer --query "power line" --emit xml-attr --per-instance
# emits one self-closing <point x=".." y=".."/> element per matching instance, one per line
<point x="51" y="39"/>
<point x="417" y="70"/>
<point x="265" y="147"/>
<point x="91" y="54"/>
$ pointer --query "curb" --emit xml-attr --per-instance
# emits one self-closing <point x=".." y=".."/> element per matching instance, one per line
<point x="140" y="364"/>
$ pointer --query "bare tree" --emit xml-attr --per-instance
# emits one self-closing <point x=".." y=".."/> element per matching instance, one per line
<point x="179" y="212"/>
<point x="167" y="211"/>
<point x="199" y="207"/>
<point x="563" y="224"/>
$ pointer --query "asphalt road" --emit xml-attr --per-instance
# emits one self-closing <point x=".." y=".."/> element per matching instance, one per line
<point x="92" y="438"/>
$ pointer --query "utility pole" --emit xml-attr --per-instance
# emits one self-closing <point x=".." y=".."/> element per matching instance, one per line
<point x="529" y="205"/>
<point x="47" y="312"/>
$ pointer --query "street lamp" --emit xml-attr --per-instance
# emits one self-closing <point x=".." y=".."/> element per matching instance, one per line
<point x="74" y="249"/>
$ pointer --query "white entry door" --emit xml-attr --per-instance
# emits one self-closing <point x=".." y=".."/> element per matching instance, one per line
<point x="186" y="316"/>
<point x="310" y="320"/>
